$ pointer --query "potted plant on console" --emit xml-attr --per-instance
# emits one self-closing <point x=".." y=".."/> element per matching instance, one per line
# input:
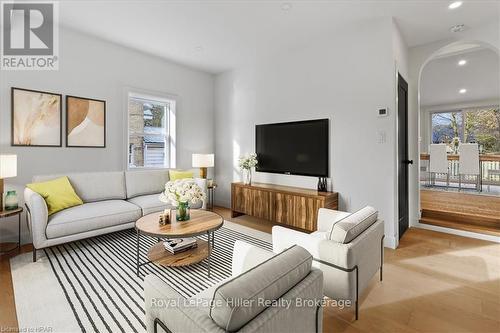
<point x="180" y="193"/>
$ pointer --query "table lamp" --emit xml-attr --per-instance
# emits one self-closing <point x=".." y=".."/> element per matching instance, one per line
<point x="8" y="169"/>
<point x="203" y="161"/>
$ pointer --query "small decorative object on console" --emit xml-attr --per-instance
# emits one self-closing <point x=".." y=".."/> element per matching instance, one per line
<point x="246" y="163"/>
<point x="322" y="184"/>
<point x="180" y="193"/>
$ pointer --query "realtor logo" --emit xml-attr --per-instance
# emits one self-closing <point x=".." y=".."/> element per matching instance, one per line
<point x="29" y="36"/>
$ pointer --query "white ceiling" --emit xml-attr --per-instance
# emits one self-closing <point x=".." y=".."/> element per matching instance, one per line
<point x="219" y="35"/>
<point x="442" y="78"/>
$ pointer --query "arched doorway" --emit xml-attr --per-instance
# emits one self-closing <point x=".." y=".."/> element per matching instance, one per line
<point x="458" y="92"/>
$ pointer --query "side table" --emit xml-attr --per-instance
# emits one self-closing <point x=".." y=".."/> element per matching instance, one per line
<point x="8" y="213"/>
<point x="211" y="195"/>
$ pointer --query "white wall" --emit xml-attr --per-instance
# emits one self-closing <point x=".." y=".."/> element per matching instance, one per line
<point x="419" y="56"/>
<point x="345" y="76"/>
<point x="97" y="69"/>
<point x="400" y="51"/>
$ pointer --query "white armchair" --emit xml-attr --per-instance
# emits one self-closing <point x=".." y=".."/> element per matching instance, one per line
<point x="348" y="248"/>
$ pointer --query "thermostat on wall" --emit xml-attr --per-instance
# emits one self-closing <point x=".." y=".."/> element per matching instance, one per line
<point x="383" y="112"/>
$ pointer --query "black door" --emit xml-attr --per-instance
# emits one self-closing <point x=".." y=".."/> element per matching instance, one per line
<point x="403" y="156"/>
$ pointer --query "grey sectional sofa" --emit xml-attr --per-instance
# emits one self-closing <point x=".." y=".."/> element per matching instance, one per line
<point x="113" y="201"/>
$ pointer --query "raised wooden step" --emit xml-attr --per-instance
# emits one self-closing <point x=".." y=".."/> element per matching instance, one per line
<point x="461" y="217"/>
<point x="462" y="226"/>
<point x="464" y="211"/>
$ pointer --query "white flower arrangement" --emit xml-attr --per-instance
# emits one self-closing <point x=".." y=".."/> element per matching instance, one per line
<point x="182" y="190"/>
<point x="248" y="161"/>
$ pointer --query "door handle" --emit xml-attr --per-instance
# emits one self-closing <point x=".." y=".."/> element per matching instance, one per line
<point x="408" y="162"/>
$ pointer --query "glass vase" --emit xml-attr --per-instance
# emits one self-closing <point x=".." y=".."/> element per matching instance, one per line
<point x="11" y="201"/>
<point x="183" y="211"/>
<point x="247" y="177"/>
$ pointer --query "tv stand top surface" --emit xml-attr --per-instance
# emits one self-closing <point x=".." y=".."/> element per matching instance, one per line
<point x="287" y="189"/>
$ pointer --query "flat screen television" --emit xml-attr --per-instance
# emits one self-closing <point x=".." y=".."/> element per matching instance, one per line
<point x="295" y="148"/>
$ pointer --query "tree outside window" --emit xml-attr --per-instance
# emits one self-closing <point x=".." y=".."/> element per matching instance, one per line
<point x="474" y="125"/>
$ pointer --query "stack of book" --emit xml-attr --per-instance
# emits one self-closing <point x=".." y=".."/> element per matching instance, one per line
<point x="179" y="244"/>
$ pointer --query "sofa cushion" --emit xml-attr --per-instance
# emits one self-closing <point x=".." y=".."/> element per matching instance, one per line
<point x="263" y="283"/>
<point x="91" y="216"/>
<point x="94" y="186"/>
<point x="149" y="203"/>
<point x="353" y="225"/>
<point x="152" y="204"/>
<point x="145" y="182"/>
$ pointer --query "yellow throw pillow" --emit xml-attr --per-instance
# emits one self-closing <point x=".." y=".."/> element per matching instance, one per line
<point x="58" y="194"/>
<point x="179" y="174"/>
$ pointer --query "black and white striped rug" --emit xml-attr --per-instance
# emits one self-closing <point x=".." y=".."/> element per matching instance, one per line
<point x="98" y="277"/>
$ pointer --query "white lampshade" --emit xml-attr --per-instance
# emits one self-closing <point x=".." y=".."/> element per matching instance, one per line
<point x="8" y="166"/>
<point x="203" y="160"/>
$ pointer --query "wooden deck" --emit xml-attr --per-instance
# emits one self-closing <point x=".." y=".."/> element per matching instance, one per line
<point x="463" y="211"/>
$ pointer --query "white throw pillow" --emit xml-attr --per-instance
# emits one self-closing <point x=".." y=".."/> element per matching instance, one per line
<point x="353" y="225"/>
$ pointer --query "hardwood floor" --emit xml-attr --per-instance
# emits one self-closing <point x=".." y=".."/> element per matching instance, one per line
<point x="464" y="211"/>
<point x="8" y="318"/>
<point x="433" y="282"/>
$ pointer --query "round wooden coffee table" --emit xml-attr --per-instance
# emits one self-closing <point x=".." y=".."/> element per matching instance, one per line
<point x="202" y="222"/>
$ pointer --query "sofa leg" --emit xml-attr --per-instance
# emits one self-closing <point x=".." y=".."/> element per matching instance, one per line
<point x="381" y="257"/>
<point x="34" y="254"/>
<point x="357" y="291"/>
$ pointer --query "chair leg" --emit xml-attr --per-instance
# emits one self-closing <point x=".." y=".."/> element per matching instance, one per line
<point x="34" y="254"/>
<point x="448" y="181"/>
<point x="459" y="183"/>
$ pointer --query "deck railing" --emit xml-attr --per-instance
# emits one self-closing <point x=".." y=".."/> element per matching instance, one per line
<point x="490" y="171"/>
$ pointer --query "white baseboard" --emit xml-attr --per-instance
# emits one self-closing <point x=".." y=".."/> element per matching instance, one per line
<point x="390" y="242"/>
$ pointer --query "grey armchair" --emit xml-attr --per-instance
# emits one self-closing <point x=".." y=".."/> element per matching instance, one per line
<point x="266" y="293"/>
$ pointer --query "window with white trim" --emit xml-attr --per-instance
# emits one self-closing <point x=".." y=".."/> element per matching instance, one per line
<point x="473" y="125"/>
<point x="151" y="131"/>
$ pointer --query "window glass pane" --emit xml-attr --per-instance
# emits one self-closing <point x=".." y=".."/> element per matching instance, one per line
<point x="148" y="134"/>
<point x="447" y="127"/>
<point x="483" y="126"/>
